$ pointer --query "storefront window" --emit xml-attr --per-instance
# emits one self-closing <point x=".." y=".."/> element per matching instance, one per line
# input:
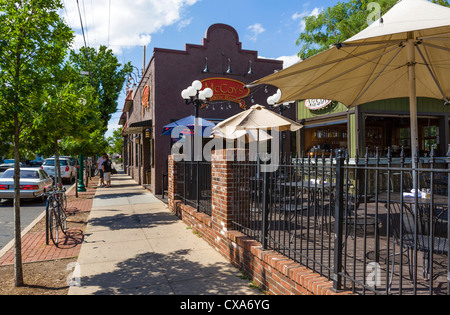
<point x="405" y="137"/>
<point x="431" y="135"/>
<point x="326" y="140"/>
<point x="395" y="133"/>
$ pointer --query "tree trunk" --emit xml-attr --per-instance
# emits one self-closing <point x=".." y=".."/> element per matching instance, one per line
<point x="18" y="270"/>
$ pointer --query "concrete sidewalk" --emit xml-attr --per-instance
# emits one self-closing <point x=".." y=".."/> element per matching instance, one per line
<point x="135" y="245"/>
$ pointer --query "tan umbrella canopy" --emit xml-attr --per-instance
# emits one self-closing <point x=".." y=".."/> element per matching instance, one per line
<point x="404" y="54"/>
<point x="256" y="118"/>
<point x="250" y="135"/>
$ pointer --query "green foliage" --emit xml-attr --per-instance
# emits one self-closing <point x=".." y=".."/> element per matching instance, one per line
<point x="116" y="141"/>
<point x="68" y="109"/>
<point x="93" y="144"/>
<point x="108" y="77"/>
<point x="339" y="23"/>
<point x="33" y="40"/>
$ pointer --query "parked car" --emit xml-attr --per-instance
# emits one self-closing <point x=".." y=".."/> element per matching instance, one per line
<point x="33" y="181"/>
<point x="7" y="164"/>
<point x="68" y="170"/>
<point x="37" y="162"/>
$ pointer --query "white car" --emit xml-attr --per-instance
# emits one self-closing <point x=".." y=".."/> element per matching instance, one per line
<point x="33" y="181"/>
<point x="68" y="170"/>
<point x="7" y="164"/>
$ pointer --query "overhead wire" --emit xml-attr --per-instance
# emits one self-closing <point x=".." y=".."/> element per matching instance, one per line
<point x="85" y="45"/>
<point x="68" y="22"/>
<point x="85" y="19"/>
<point x="109" y="20"/>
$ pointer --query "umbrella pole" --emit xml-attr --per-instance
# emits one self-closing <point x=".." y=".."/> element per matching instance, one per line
<point x="413" y="104"/>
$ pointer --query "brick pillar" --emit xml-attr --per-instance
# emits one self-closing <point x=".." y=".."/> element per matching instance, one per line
<point x="229" y="194"/>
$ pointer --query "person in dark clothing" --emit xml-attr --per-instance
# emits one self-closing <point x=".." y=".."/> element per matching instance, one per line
<point x="107" y="169"/>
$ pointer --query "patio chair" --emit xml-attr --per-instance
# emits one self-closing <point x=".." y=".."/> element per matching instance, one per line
<point x="403" y="225"/>
<point x="353" y="212"/>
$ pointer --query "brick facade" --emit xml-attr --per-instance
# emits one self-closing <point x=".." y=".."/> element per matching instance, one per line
<point x="271" y="271"/>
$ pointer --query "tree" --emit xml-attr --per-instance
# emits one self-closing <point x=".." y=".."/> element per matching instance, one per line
<point x="67" y="110"/>
<point x="34" y="38"/>
<point x="116" y="141"/>
<point x="107" y="77"/>
<point x="340" y="22"/>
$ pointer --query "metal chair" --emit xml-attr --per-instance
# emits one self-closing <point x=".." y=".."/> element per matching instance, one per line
<point x="425" y="232"/>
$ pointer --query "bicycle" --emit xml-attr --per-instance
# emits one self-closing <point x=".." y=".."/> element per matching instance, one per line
<point x="55" y="214"/>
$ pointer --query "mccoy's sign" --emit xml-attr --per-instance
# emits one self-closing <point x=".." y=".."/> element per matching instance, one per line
<point x="227" y="90"/>
<point x="317" y="104"/>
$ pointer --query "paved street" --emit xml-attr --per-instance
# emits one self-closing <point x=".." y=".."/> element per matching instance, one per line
<point x="30" y="210"/>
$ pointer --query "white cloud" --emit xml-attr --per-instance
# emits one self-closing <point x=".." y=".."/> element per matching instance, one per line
<point x="256" y="30"/>
<point x="129" y="24"/>
<point x="289" y="60"/>
<point x="184" y="24"/>
<point x="299" y="16"/>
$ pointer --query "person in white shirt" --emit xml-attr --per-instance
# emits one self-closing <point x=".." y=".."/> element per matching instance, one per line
<point x="100" y="170"/>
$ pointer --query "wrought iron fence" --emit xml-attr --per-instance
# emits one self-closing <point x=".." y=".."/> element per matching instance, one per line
<point x="194" y="180"/>
<point x="355" y="221"/>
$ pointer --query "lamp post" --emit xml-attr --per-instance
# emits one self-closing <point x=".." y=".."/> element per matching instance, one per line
<point x="196" y="96"/>
<point x="81" y="187"/>
<point x="273" y="103"/>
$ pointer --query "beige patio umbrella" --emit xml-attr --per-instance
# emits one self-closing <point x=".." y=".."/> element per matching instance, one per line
<point x="404" y="54"/>
<point x="257" y="118"/>
<point x="250" y="135"/>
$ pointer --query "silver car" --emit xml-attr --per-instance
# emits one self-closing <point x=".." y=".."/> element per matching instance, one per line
<point x="67" y="169"/>
<point x="33" y="181"/>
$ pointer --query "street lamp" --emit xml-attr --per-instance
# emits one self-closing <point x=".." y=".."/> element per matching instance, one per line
<point x="273" y="103"/>
<point x="196" y="96"/>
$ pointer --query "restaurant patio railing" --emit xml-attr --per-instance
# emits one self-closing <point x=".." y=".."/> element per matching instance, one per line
<point x="355" y="221"/>
<point x="195" y="181"/>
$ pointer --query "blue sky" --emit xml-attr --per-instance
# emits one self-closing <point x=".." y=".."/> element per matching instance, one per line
<point x="267" y="26"/>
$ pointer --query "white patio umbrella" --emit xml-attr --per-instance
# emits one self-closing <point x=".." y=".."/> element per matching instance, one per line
<point x="250" y="135"/>
<point x="257" y="118"/>
<point x="404" y="54"/>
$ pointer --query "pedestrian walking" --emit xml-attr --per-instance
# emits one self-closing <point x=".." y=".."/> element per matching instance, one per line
<point x="107" y="169"/>
<point x="100" y="169"/>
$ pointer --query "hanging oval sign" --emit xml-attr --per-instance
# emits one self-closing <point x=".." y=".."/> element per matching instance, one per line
<point x="145" y="99"/>
<point x="316" y="104"/>
<point x="227" y="90"/>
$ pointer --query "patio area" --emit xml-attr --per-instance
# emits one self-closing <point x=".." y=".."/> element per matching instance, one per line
<point x="369" y="265"/>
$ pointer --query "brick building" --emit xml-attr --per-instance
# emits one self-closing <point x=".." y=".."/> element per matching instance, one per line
<point x="157" y="102"/>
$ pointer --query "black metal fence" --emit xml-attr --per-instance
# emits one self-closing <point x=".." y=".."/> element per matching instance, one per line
<point x="194" y="184"/>
<point x="355" y="221"/>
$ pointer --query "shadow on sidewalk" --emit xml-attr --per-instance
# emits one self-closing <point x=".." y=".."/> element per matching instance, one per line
<point x="167" y="274"/>
<point x="134" y="221"/>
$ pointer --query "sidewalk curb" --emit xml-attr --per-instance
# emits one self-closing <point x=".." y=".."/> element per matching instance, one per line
<point x="28" y="228"/>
